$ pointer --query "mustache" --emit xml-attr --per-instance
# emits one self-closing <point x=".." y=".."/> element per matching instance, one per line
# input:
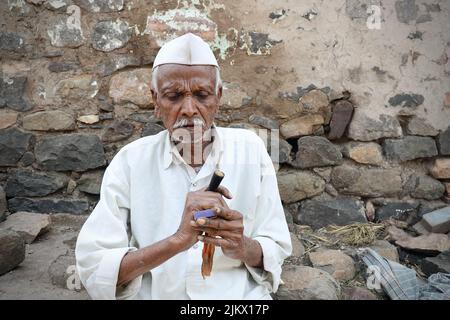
<point x="183" y="122"/>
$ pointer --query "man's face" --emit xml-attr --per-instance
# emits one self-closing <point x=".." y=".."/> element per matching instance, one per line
<point x="185" y="98"/>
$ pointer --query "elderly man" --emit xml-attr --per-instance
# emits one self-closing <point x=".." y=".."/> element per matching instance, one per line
<point x="142" y="241"/>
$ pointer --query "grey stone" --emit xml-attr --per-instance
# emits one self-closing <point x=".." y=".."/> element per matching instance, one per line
<point x="386" y="250"/>
<point x="406" y="10"/>
<point x="57" y="5"/>
<point x="363" y="128"/>
<point x="58" y="269"/>
<point x="263" y="121"/>
<point x="48" y="205"/>
<point x="76" y="152"/>
<point x="110" y="35"/>
<point x="295" y="185"/>
<point x="397" y="210"/>
<point x="12" y="91"/>
<point x="316" y="152"/>
<point x="339" y="211"/>
<point x="12" y="250"/>
<point x="316" y="102"/>
<point x="409" y="148"/>
<point x="24" y="183"/>
<point x="58" y="67"/>
<point x="143" y="117"/>
<point x="443" y="142"/>
<point x="11" y="42"/>
<point x="306" y="283"/>
<point x="429" y="244"/>
<point x="90" y="182"/>
<point x="117" y="62"/>
<point x="364" y="152"/>
<point x="366" y="182"/>
<point x="419" y="127"/>
<point x="357" y="9"/>
<point x="64" y="34"/>
<point x="260" y="43"/>
<point x="437" y="221"/>
<point x="340" y="119"/>
<point x="13" y="144"/>
<point x="440" y="263"/>
<point x="78" y="87"/>
<point x="118" y="131"/>
<point x="100" y="5"/>
<point x="335" y="262"/>
<point x="405" y="100"/>
<point x="424" y="18"/>
<point x="151" y="128"/>
<point x="27" y="159"/>
<point x="53" y="120"/>
<point x="424" y="187"/>
<point x="3" y="204"/>
<point x="106" y="116"/>
<point x="298" y="249"/>
<point x="27" y="224"/>
<point x="357" y="293"/>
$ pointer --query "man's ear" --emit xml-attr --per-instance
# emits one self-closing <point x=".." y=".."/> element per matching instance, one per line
<point x="157" y="111"/>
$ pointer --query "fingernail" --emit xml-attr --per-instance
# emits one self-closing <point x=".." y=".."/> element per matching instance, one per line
<point x="201" y="221"/>
<point x="193" y="223"/>
<point x="217" y="210"/>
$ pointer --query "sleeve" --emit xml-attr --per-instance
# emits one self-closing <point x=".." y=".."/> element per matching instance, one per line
<point x="103" y="239"/>
<point x="271" y="229"/>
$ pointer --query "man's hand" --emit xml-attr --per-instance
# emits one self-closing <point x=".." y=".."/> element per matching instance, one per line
<point x="227" y="231"/>
<point x="186" y="234"/>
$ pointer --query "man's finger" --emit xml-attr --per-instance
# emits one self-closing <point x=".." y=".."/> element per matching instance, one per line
<point x="227" y="213"/>
<point x="218" y="242"/>
<point x="224" y="191"/>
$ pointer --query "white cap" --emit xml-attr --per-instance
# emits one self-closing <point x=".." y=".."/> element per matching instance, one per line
<point x="188" y="49"/>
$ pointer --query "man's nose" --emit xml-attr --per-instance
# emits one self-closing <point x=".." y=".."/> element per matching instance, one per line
<point x="189" y="109"/>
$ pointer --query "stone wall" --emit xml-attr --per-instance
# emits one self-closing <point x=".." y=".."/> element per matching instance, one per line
<point x="359" y="89"/>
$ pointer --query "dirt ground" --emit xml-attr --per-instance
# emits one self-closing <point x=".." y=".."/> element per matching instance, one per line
<point x="42" y="275"/>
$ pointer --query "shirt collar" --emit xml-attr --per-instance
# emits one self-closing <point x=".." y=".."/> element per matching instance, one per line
<point x="171" y="154"/>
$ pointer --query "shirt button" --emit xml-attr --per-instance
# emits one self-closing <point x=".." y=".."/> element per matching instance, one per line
<point x="194" y="184"/>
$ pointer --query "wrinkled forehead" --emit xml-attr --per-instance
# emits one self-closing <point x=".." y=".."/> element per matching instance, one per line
<point x="172" y="74"/>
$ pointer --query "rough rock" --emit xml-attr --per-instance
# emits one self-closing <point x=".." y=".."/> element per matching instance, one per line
<point x="306" y="283"/>
<point x="90" y="182"/>
<point x="151" y="128"/>
<point x="12" y="250"/>
<point x="316" y="102"/>
<point x="3" y="204"/>
<point x="25" y="183"/>
<point x="440" y="263"/>
<point x="100" y="5"/>
<point x="27" y="224"/>
<point x="385" y="249"/>
<point x="89" y="119"/>
<point x="233" y="97"/>
<point x="364" y="152"/>
<point x="424" y="187"/>
<point x="120" y="130"/>
<point x="405" y="100"/>
<point x="12" y="93"/>
<point x="353" y="181"/>
<point x="48" y="205"/>
<point x="263" y="121"/>
<point x="316" y="152"/>
<point x="339" y="211"/>
<point x="117" y="62"/>
<point x="297" y="247"/>
<point x="397" y="210"/>
<point x="296" y="185"/>
<point x="76" y="152"/>
<point x="409" y="148"/>
<point x="441" y="168"/>
<point x="357" y="293"/>
<point x="13" y="144"/>
<point x="7" y="119"/>
<point x="132" y="86"/>
<point x="66" y="32"/>
<point x="419" y="127"/>
<point x="110" y="35"/>
<point x="49" y="121"/>
<point x="340" y="119"/>
<point x="432" y="243"/>
<point x="301" y="126"/>
<point x="437" y="221"/>
<point x="363" y="128"/>
<point x="443" y="142"/>
<point x="335" y="262"/>
<point x="78" y="87"/>
<point x="27" y="159"/>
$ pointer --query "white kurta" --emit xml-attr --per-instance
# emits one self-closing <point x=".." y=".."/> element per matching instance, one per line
<point x="142" y="199"/>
